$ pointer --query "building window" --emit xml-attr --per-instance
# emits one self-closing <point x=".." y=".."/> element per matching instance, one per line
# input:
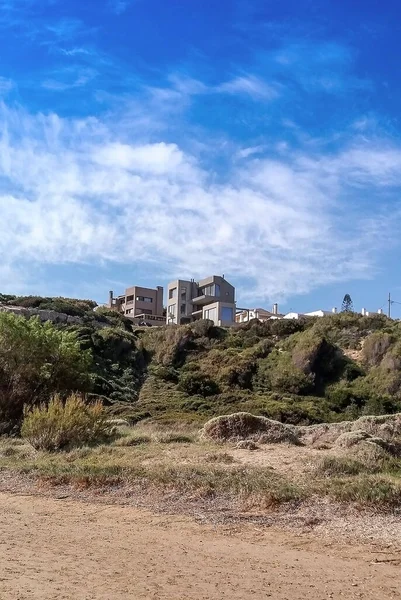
<point x="172" y="310"/>
<point x="172" y="293"/>
<point x="130" y="299"/>
<point x="143" y="311"/>
<point x="211" y="290"/>
<point x="210" y="313"/>
<point x="183" y="309"/>
<point x="227" y="314"/>
<point x="129" y="311"/>
<point x="144" y="299"/>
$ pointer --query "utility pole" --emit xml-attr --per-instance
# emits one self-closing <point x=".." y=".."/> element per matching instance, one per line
<point x="389" y="305"/>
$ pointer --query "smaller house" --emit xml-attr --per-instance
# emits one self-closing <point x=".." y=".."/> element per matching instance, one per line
<point x="143" y="305"/>
<point x="244" y="315"/>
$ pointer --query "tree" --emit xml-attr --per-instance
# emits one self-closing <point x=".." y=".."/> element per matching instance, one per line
<point x="37" y="361"/>
<point x="347" y="305"/>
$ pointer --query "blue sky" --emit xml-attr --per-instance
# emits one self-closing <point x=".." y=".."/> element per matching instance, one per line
<point x="142" y="140"/>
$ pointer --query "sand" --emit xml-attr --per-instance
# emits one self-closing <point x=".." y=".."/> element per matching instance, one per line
<point x="66" y="549"/>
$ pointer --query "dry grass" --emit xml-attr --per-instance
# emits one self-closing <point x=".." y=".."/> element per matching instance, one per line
<point x="201" y="469"/>
<point x="150" y="459"/>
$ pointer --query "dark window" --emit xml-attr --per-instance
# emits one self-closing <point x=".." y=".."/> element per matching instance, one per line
<point x="130" y="298"/>
<point x="183" y="306"/>
<point x="144" y="299"/>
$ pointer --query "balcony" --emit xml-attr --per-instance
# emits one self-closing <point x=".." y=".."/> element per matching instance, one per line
<point x="202" y="300"/>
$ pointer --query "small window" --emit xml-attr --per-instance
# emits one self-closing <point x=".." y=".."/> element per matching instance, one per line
<point x="144" y="299"/>
<point x="183" y="309"/>
<point x="172" y="293"/>
<point x="130" y="299"/>
<point x="172" y="310"/>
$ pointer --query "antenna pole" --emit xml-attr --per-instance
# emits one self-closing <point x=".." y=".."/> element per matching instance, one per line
<point x="389" y="305"/>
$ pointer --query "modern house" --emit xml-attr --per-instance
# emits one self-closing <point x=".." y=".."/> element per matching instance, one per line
<point x="244" y="315"/>
<point x="143" y="305"/>
<point x="211" y="298"/>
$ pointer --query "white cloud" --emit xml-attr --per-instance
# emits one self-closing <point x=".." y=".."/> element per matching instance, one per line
<point x="69" y="78"/>
<point x="73" y="192"/>
<point x="119" y="6"/>
<point x="157" y="159"/>
<point x="249" y="85"/>
<point x="251" y="151"/>
<point x="6" y="85"/>
<point x="75" y="51"/>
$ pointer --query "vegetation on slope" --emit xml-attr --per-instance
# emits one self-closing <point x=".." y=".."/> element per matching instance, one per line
<point x="299" y="372"/>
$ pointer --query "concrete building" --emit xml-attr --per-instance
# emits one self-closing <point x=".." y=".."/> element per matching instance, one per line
<point x="211" y="298"/>
<point x="143" y="305"/>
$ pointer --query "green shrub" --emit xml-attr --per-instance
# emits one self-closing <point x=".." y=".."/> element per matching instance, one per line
<point x="68" y="424"/>
<point x="202" y="328"/>
<point x="169" y="345"/>
<point x="164" y="373"/>
<point x="36" y="361"/>
<point x="278" y="373"/>
<point x="238" y="373"/>
<point x="195" y="383"/>
<point x="375" y="347"/>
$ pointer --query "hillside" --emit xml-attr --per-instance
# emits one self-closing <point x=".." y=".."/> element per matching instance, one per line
<point x="300" y="372"/>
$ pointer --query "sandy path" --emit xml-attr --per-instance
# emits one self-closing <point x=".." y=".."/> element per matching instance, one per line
<point x="61" y="549"/>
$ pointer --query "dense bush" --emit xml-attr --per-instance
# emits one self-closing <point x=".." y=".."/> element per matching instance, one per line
<point x="195" y="383"/>
<point x="375" y="347"/>
<point x="169" y="345"/>
<point x="69" y="306"/>
<point x="37" y="361"/>
<point x="299" y="370"/>
<point x="202" y="328"/>
<point x="119" y="365"/>
<point x="279" y="374"/>
<point x="113" y="318"/>
<point x="59" y="425"/>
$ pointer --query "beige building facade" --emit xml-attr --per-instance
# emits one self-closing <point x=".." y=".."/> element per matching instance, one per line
<point x="143" y="305"/>
<point x="211" y="298"/>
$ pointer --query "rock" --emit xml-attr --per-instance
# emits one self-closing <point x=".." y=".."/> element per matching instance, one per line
<point x="351" y="438"/>
<point x="244" y="426"/>
<point x="246" y="445"/>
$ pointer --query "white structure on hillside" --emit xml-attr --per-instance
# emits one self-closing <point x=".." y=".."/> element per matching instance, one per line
<point x="244" y="315"/>
<point x="324" y="313"/>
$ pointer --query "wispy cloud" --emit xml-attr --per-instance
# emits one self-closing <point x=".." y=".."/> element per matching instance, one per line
<point x="6" y="85"/>
<point x="69" y="78"/>
<point x="249" y="85"/>
<point x="76" y="193"/>
<point x="119" y="6"/>
<point x="75" y="51"/>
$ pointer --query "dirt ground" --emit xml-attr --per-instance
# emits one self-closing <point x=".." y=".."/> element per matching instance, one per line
<point x="64" y="549"/>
